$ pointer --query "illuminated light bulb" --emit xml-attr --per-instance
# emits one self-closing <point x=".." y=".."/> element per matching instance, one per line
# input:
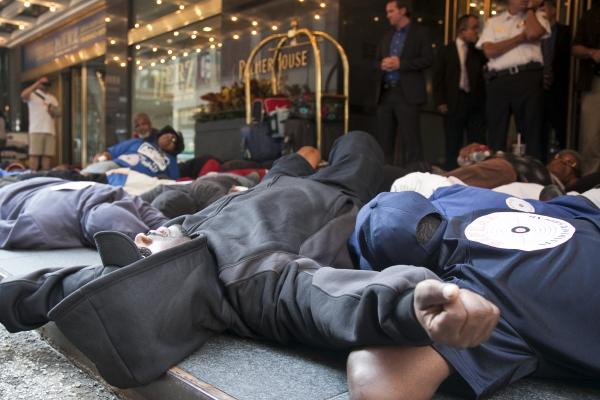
<point x="193" y="36"/>
<point x="317" y="16"/>
<point x="136" y="25"/>
<point x="211" y="39"/>
<point x="220" y="45"/>
<point x="494" y="12"/>
<point x="52" y="9"/>
<point x="152" y="64"/>
<point x="140" y="68"/>
<point x="234" y="18"/>
<point x="185" y="53"/>
<point x="207" y="29"/>
<point x="194" y="32"/>
<point x="173" y="58"/>
<point x="198" y="50"/>
<point x="123" y="65"/>
<point x="154" y="49"/>
<point x="27" y="4"/>
<point x="159" y="2"/>
<point x="170" y="51"/>
<point x="162" y="60"/>
<point x="176" y="33"/>
<point x="481" y="12"/>
<point x="472" y="5"/>
<point x="376" y="19"/>
<point x="212" y="46"/>
<point x="274" y="27"/>
<point x="137" y="47"/>
<point x="149" y="27"/>
<point x="236" y="36"/>
<point x="107" y="19"/>
<point x="138" y="62"/>
<point x="113" y="41"/>
<point x="254" y="33"/>
<point x="116" y="58"/>
<point x="181" y="6"/>
<point x="21" y="27"/>
<point x="254" y="23"/>
<point x="323" y="5"/>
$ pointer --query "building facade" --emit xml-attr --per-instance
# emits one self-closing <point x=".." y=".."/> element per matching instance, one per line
<point x="182" y="60"/>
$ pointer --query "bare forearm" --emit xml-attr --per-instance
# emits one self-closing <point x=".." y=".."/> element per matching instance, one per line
<point x="582" y="52"/>
<point x="495" y="50"/>
<point x="29" y="89"/>
<point x="533" y="28"/>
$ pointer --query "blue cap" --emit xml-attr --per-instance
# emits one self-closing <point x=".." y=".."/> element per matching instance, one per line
<point x="386" y="231"/>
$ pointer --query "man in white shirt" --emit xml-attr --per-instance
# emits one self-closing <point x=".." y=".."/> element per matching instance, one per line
<point x="511" y="42"/>
<point x="43" y="110"/>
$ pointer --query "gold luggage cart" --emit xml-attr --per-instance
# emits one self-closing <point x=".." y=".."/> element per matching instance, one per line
<point x="282" y="39"/>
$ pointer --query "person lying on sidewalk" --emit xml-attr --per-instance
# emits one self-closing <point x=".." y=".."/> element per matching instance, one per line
<point x="151" y="158"/>
<point x="53" y="213"/>
<point x="532" y="259"/>
<point x="271" y="262"/>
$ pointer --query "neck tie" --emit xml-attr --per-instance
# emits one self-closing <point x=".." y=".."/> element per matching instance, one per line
<point x="464" y="76"/>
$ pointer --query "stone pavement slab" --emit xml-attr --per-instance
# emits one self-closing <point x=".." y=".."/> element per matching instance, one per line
<point x="228" y="367"/>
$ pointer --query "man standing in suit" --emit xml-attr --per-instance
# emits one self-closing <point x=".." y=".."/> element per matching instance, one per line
<point x="403" y="54"/>
<point x="459" y="89"/>
<point x="557" y="57"/>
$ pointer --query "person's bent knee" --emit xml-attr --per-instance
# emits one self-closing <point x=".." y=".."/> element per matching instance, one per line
<point x="366" y="383"/>
<point x="395" y="373"/>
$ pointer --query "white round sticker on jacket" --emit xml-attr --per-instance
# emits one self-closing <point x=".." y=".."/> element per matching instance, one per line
<point x="517" y="204"/>
<point x="519" y="231"/>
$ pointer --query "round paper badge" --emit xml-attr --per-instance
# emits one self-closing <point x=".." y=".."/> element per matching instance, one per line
<point x="519" y="231"/>
<point x="517" y="204"/>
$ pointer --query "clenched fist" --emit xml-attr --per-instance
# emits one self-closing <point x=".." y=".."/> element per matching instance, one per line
<point x="453" y="316"/>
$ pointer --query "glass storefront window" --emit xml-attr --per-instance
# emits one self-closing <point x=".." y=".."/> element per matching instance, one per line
<point x="176" y="73"/>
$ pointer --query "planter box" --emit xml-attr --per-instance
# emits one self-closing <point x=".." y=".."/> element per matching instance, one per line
<point x="220" y="139"/>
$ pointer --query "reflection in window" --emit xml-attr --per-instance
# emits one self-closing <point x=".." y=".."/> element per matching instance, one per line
<point x="174" y="71"/>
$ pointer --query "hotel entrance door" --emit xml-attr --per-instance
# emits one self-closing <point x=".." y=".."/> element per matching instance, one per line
<point x="84" y="87"/>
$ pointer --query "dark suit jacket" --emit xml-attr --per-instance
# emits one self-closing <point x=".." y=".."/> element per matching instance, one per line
<point x="561" y="62"/>
<point x="588" y="35"/>
<point x="446" y="75"/>
<point x="416" y="56"/>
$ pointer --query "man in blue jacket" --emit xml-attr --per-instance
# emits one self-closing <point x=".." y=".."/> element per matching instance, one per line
<point x="151" y="158"/>
<point x="533" y="259"/>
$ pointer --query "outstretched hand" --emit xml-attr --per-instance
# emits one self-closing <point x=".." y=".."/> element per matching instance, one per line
<point x="453" y="316"/>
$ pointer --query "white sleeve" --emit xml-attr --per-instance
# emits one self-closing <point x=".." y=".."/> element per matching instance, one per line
<point x="487" y="36"/>
<point x="543" y="20"/>
<point x="423" y="183"/>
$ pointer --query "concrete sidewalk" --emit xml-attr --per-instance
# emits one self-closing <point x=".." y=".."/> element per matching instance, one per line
<point x="225" y="368"/>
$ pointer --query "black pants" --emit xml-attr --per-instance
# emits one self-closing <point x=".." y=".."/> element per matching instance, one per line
<point x="522" y="95"/>
<point x="466" y="116"/>
<point x="398" y="128"/>
<point x="555" y="118"/>
<point x="355" y="166"/>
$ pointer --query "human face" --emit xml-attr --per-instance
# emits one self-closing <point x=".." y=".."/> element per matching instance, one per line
<point x="471" y="32"/>
<point x="394" y="14"/>
<point x="161" y="239"/>
<point x="142" y="127"/>
<point x="168" y="142"/>
<point x="563" y="167"/>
